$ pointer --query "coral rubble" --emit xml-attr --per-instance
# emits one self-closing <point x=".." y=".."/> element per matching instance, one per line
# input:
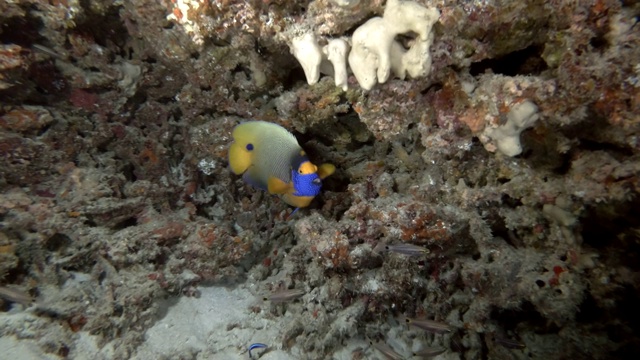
<point x="511" y="153"/>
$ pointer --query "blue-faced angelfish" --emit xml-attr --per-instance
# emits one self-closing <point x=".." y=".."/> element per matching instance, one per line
<point x="270" y="158"/>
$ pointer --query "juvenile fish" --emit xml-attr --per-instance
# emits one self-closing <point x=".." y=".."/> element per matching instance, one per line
<point x="509" y="343"/>
<point x="387" y="351"/>
<point x="45" y="50"/>
<point x="430" y="351"/>
<point x="429" y="325"/>
<point x="15" y="296"/>
<point x="256" y="346"/>
<point x="284" y="296"/>
<point x="407" y="249"/>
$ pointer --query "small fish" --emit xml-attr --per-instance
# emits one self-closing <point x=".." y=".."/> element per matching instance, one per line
<point x="256" y="346"/>
<point x="387" y="351"/>
<point x="45" y="50"/>
<point x="15" y="296"/>
<point x="430" y="351"/>
<point x="405" y="249"/>
<point x="270" y="158"/>
<point x="284" y="296"/>
<point x="509" y="343"/>
<point x="428" y="325"/>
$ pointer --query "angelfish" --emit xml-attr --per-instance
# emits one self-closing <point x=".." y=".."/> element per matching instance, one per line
<point x="270" y="158"/>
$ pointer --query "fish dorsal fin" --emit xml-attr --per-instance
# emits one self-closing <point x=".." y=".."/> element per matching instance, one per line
<point x="277" y="186"/>
<point x="325" y="170"/>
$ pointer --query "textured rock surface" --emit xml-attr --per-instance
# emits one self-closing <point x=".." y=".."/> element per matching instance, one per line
<point x="115" y="193"/>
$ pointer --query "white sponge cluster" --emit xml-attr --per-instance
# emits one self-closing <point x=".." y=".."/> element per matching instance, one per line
<point x="331" y="59"/>
<point x="507" y="136"/>
<point x="375" y="53"/>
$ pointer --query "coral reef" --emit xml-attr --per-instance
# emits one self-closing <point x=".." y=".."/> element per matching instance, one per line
<point x="515" y="161"/>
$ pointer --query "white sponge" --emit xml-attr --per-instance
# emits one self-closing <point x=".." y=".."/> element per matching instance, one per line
<point x="507" y="136"/>
<point x="376" y="53"/>
<point x="370" y="56"/>
<point x="306" y="49"/>
<point x="336" y="52"/>
<point x="330" y="59"/>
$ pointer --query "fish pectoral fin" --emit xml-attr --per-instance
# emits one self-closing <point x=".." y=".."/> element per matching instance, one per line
<point x="325" y="170"/>
<point x="297" y="201"/>
<point x="277" y="186"/>
<point x="239" y="158"/>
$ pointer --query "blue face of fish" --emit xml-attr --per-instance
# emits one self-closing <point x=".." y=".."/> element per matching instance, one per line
<point x="306" y="184"/>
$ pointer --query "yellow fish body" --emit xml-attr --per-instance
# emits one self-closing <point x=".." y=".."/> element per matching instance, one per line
<point x="270" y="158"/>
